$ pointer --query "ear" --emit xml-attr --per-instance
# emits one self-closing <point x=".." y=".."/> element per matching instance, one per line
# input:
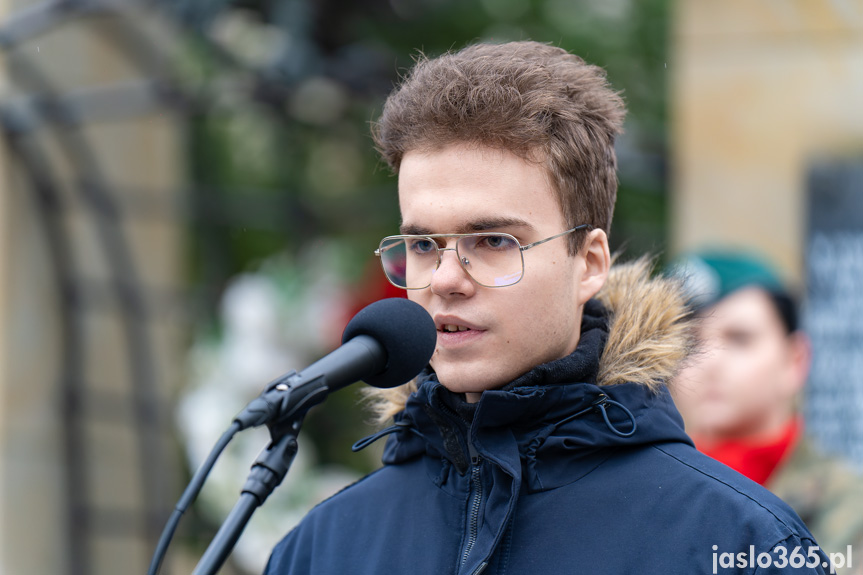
<point x="597" y="263"/>
<point x="799" y="361"/>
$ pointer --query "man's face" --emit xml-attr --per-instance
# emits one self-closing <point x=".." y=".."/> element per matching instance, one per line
<point x="509" y="329"/>
<point x="743" y="381"/>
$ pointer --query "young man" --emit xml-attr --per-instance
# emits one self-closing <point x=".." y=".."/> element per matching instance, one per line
<point x="739" y="395"/>
<point x="541" y="438"/>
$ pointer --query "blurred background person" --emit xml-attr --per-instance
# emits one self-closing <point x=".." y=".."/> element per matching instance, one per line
<point x="740" y="393"/>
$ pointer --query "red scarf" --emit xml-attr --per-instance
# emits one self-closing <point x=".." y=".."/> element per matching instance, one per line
<point x="755" y="460"/>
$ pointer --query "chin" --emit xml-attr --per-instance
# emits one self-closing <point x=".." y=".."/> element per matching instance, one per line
<point x="458" y="384"/>
<point x="720" y="429"/>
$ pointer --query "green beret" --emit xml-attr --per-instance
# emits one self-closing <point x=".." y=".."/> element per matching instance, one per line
<point x="709" y="276"/>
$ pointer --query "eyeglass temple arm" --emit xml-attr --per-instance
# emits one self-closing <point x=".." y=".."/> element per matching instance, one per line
<point x="576" y="228"/>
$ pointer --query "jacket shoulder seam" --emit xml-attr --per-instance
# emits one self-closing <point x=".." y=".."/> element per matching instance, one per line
<point x="791" y="531"/>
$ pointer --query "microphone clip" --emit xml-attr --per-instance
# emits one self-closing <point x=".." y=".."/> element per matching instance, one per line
<point x="284" y="401"/>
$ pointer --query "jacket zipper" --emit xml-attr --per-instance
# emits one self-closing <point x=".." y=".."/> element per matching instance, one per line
<point x="476" y="500"/>
<point x="476" y="497"/>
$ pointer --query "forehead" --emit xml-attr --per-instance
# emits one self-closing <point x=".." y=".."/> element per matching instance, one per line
<point x="460" y="185"/>
<point x="747" y="308"/>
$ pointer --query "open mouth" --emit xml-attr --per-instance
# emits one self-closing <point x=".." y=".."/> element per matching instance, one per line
<point x="450" y="328"/>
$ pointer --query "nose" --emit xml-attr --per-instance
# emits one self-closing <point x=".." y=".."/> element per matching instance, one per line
<point x="450" y="278"/>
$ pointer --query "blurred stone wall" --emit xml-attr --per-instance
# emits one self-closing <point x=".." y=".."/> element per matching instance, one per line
<point x="760" y="92"/>
<point x="80" y="418"/>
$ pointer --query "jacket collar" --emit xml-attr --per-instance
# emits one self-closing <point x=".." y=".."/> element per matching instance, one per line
<point x="551" y="435"/>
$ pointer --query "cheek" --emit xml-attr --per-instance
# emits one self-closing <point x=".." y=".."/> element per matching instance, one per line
<point x="554" y="286"/>
<point x="689" y="385"/>
<point x="752" y="379"/>
<point x="747" y="368"/>
<point x="687" y="397"/>
<point x="420" y="296"/>
<point x="547" y="315"/>
<point x="737" y="378"/>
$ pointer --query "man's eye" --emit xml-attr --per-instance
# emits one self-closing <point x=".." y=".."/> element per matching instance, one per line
<point x="739" y="339"/>
<point x="421" y="246"/>
<point x="497" y="243"/>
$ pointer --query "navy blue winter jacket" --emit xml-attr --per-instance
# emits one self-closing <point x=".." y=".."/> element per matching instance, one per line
<point x="554" y="474"/>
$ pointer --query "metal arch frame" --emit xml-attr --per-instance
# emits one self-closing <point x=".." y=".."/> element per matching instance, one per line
<point x="62" y="115"/>
<point x="72" y="340"/>
<point x="92" y="191"/>
<point x="50" y="110"/>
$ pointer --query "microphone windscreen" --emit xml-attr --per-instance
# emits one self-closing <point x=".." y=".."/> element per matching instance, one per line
<point x="406" y="332"/>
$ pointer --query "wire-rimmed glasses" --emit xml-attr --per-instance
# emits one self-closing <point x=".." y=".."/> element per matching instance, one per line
<point x="491" y="259"/>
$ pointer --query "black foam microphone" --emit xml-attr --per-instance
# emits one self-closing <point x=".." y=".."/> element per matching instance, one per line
<point x="386" y="344"/>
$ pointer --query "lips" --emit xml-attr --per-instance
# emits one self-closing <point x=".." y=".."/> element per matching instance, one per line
<point x="455" y="333"/>
<point x="453" y="324"/>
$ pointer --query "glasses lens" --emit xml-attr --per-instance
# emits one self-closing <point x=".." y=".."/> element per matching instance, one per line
<point x="493" y="260"/>
<point x="409" y="262"/>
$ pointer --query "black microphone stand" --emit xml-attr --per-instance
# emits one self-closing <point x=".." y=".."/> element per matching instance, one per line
<point x="268" y="471"/>
<point x="286" y="411"/>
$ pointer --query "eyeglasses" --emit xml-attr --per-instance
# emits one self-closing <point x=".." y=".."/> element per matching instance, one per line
<point x="491" y="259"/>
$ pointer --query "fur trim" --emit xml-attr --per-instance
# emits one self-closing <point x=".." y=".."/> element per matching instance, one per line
<point x="650" y="327"/>
<point x="650" y="335"/>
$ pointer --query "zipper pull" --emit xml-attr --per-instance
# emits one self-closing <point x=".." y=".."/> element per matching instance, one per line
<point x="474" y="455"/>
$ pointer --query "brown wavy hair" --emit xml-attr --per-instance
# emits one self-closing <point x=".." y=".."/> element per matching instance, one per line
<point x="532" y="99"/>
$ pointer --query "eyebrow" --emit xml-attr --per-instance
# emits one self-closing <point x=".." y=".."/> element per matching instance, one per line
<point x="480" y="225"/>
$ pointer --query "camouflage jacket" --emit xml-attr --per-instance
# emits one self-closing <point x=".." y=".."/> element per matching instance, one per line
<point x="828" y="496"/>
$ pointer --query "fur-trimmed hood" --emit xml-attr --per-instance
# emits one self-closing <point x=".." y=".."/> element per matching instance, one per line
<point x="649" y="334"/>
